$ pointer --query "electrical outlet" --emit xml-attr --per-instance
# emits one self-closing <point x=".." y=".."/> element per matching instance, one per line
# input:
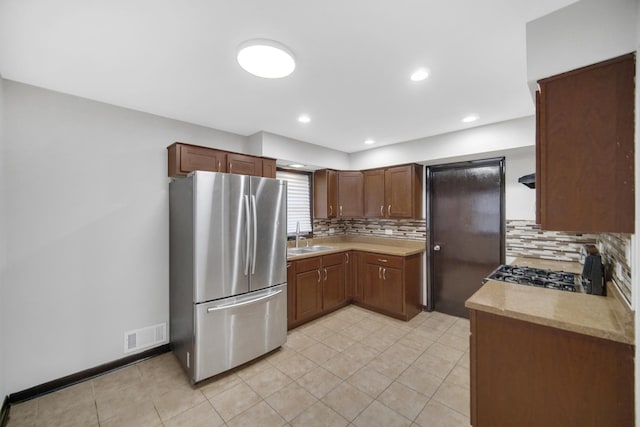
<point x="332" y="231"/>
<point x="388" y="231"/>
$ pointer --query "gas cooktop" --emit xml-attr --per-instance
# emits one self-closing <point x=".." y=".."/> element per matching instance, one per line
<point x="549" y="279"/>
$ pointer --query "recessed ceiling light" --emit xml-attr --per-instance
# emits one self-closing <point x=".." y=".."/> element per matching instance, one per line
<point x="420" y="74"/>
<point x="266" y="58"/>
<point x="369" y="141"/>
<point x="471" y="118"/>
<point x="304" y="118"/>
<point x="296" y="165"/>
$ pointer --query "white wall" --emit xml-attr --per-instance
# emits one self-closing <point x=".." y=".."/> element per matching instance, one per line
<point x="520" y="200"/>
<point x="478" y="142"/>
<point x="3" y="248"/>
<point x="86" y="205"/>
<point x="290" y="150"/>
<point x="580" y="34"/>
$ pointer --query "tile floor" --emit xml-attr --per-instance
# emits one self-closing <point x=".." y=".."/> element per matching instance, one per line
<point x="350" y="368"/>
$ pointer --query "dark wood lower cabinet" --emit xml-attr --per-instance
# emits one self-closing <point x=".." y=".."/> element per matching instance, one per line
<point x="526" y="375"/>
<point x="390" y="284"/>
<point x="308" y="286"/>
<point x="387" y="284"/>
<point x="316" y="286"/>
<point x="333" y="285"/>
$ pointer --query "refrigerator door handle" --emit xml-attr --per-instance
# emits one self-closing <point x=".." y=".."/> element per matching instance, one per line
<point x="248" y="241"/>
<point x="255" y="233"/>
<point x="240" y="304"/>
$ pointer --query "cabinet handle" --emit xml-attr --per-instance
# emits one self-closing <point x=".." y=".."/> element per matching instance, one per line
<point x="231" y="167"/>
<point x="340" y="210"/>
<point x="381" y="210"/>
<point x="330" y="210"/>
<point x="347" y="257"/>
<point x="219" y="165"/>
<point x="384" y="274"/>
<point x="289" y="264"/>
<point x="325" y="274"/>
<point x="379" y="272"/>
<point x="389" y="210"/>
<point x="319" y="276"/>
<point x="382" y="260"/>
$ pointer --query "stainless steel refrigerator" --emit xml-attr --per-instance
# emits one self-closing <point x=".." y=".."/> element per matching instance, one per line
<point x="228" y="296"/>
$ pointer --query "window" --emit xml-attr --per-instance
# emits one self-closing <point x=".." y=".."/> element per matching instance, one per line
<point x="298" y="201"/>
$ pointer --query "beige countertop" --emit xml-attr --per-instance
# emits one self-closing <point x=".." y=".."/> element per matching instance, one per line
<point x="387" y="246"/>
<point x="603" y="317"/>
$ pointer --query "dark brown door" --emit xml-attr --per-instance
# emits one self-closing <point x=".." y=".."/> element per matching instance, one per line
<point x="466" y="230"/>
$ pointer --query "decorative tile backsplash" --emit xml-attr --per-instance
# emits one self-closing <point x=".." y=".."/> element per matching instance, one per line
<point x="616" y="251"/>
<point x="409" y="229"/>
<point x="524" y="238"/>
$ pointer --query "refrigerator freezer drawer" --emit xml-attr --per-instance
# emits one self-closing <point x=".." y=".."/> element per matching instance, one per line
<point x="235" y="330"/>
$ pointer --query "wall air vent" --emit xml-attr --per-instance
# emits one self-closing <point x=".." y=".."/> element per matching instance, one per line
<point x="146" y="337"/>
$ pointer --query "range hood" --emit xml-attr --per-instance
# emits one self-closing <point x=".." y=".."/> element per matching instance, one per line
<point x="528" y="180"/>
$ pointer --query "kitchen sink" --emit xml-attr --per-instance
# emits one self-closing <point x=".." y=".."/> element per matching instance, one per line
<point x="308" y="249"/>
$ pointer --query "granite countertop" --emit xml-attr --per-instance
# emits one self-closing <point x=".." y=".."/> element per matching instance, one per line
<point x="602" y="317"/>
<point x="381" y="245"/>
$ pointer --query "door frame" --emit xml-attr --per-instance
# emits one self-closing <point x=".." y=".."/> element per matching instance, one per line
<point x="495" y="161"/>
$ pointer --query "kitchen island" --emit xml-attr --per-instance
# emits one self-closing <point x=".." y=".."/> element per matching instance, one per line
<point x="547" y="357"/>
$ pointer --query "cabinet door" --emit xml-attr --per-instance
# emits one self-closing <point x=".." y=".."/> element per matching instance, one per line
<point x="586" y="151"/>
<point x="291" y="293"/>
<point x="244" y="165"/>
<point x="374" y="193"/>
<point x="371" y="284"/>
<point x="325" y="193"/>
<point x="399" y="191"/>
<point x="333" y="289"/>
<point x="185" y="158"/>
<point x="308" y="294"/>
<point x="268" y="168"/>
<point x="350" y="194"/>
<point x="392" y="290"/>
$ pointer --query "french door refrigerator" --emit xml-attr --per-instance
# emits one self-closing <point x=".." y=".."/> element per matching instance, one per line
<point x="228" y="296"/>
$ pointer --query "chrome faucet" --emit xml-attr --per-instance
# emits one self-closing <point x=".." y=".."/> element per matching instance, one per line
<point x="298" y="234"/>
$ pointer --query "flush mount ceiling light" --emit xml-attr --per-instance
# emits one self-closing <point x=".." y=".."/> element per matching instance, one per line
<point x="420" y="74"/>
<point x="369" y="141"/>
<point x="304" y="118"/>
<point x="296" y="165"/>
<point x="266" y="58"/>
<point x="471" y="118"/>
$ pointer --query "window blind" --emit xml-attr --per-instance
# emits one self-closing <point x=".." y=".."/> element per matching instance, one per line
<point x="298" y="200"/>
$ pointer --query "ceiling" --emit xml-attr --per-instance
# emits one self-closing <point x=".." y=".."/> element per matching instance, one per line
<point x="177" y="59"/>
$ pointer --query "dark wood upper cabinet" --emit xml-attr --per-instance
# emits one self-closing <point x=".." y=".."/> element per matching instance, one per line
<point x="325" y="194"/>
<point x="269" y="168"/>
<point x="403" y="191"/>
<point x="585" y="150"/>
<point x="350" y="194"/>
<point x="394" y="192"/>
<point x="244" y="165"/>
<point x="185" y="158"/>
<point x="374" y="193"/>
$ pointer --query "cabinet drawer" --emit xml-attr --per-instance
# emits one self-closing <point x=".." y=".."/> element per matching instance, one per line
<point x="308" y="264"/>
<point x="384" y="260"/>
<point x="333" y="259"/>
